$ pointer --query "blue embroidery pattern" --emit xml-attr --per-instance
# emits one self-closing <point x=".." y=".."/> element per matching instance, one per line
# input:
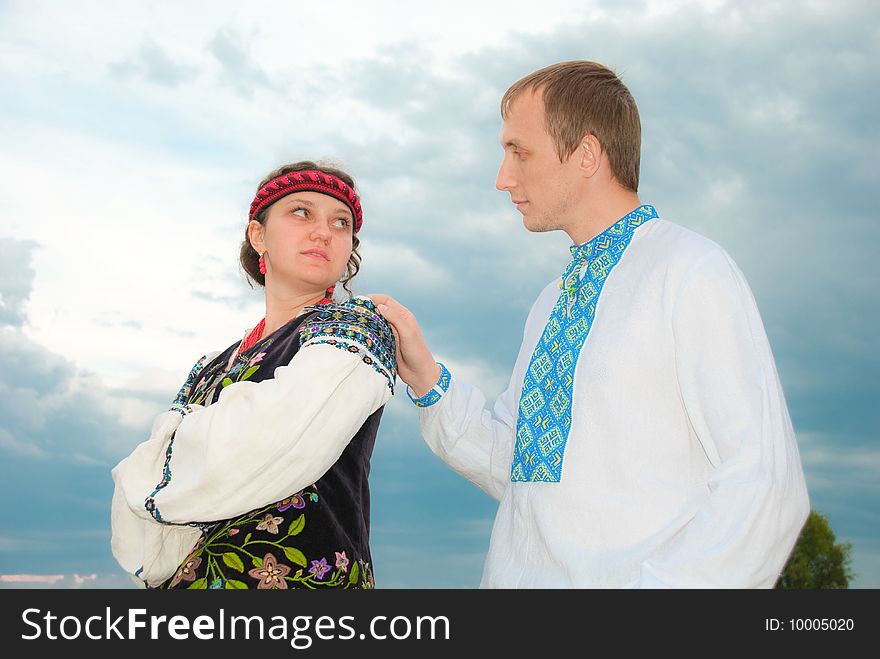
<point x="355" y="322"/>
<point x="544" y="416"/>
<point x="180" y="406"/>
<point x="150" y="501"/>
<point x="436" y="392"/>
<point x="182" y="397"/>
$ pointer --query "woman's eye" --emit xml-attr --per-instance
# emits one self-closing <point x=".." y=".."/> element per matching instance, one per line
<point x="342" y="222"/>
<point x="302" y="212"/>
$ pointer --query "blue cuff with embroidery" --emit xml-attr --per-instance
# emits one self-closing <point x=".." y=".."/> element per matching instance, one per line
<point x="436" y="392"/>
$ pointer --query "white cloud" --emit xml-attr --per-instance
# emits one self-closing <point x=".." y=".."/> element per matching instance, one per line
<point x="154" y="64"/>
<point x="480" y="373"/>
<point x="52" y="411"/>
<point x="126" y="240"/>
<point x="17" y="276"/>
<point x="780" y="109"/>
<point x="46" y="579"/>
<point x="825" y="459"/>
<point x="26" y="449"/>
<point x="387" y="261"/>
<point x="65" y="581"/>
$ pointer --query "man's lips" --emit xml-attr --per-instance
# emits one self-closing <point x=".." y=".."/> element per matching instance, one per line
<point x="521" y="202"/>
<point x="316" y="254"/>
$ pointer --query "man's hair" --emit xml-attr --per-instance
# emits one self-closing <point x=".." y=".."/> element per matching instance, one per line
<point x="582" y="98"/>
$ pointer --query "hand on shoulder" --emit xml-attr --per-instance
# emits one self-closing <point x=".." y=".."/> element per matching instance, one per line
<point x="415" y="362"/>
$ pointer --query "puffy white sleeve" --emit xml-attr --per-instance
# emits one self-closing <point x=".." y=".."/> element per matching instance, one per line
<point x="757" y="501"/>
<point x="260" y="442"/>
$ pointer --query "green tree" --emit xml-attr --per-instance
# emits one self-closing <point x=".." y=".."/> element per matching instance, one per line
<point x="817" y="560"/>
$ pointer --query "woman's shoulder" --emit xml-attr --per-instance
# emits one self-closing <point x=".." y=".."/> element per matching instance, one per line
<point x="358" y="305"/>
<point x="358" y="313"/>
<point x="355" y="325"/>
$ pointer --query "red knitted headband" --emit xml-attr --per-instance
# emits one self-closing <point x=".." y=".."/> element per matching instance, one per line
<point x="313" y="180"/>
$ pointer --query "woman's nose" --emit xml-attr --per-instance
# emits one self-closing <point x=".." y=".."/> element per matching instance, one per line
<point x="321" y="230"/>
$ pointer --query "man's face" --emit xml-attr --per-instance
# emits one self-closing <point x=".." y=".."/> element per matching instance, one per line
<point x="542" y="188"/>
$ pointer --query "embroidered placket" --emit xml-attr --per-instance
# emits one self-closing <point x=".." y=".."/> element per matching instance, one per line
<point x="544" y="414"/>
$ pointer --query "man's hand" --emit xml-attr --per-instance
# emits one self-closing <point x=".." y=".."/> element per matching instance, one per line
<point x="415" y="363"/>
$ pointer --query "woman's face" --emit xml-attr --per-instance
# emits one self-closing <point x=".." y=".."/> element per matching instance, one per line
<point x="307" y="238"/>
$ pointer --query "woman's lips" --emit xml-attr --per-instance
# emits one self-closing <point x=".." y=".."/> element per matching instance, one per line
<point x="316" y="254"/>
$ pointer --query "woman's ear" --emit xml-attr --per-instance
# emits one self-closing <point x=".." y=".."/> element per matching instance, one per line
<point x="255" y="232"/>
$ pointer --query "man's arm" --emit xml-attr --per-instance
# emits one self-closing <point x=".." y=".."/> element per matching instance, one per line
<point x="454" y="419"/>
<point x="756" y="500"/>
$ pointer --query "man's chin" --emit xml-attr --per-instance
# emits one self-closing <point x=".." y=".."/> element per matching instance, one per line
<point x="539" y="226"/>
<point x="536" y="226"/>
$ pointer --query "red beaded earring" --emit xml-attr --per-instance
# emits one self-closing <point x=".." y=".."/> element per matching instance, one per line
<point x="328" y="296"/>
<point x="262" y="265"/>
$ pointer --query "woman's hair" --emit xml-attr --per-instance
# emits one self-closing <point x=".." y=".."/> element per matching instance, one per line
<point x="250" y="259"/>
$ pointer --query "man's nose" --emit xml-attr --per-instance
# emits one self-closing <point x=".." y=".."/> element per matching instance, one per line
<point x="504" y="180"/>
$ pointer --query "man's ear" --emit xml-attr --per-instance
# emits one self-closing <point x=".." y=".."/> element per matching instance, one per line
<point x="591" y="155"/>
<point x="255" y="235"/>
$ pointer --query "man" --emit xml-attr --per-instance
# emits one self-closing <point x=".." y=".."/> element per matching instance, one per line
<point x="644" y="439"/>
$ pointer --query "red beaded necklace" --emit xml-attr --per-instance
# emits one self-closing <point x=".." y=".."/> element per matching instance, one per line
<point x="257" y="333"/>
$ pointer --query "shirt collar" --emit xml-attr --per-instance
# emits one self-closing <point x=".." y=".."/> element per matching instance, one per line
<point x="617" y="232"/>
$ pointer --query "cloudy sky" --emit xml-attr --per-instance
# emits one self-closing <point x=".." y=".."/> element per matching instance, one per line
<point x="134" y="134"/>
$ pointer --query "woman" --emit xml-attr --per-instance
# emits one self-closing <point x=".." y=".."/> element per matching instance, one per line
<point x="257" y="476"/>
